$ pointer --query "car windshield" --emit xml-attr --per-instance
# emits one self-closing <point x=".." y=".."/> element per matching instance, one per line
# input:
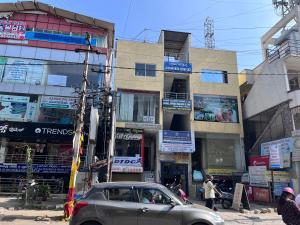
<point x="173" y="196"/>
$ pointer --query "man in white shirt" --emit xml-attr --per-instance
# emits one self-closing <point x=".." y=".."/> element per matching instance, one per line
<point x="210" y="192"/>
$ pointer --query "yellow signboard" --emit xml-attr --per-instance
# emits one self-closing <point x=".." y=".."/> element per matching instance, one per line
<point x="223" y="172"/>
<point x="278" y="176"/>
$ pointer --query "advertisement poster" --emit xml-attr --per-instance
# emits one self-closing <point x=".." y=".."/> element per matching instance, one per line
<point x="13" y="107"/>
<point x="57" y="102"/>
<point x="214" y="108"/>
<point x="257" y="176"/>
<point x="31" y="111"/>
<point x="2" y="66"/>
<point x="296" y="145"/>
<point x="24" y="71"/>
<point x="275" y="161"/>
<point x="177" y="141"/>
<point x="12" y="29"/>
<point x="261" y="194"/>
<point x="285" y="144"/>
<point x="123" y="164"/>
<point x="259" y="161"/>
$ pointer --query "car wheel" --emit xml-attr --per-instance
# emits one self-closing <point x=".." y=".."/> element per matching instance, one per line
<point x="91" y="223"/>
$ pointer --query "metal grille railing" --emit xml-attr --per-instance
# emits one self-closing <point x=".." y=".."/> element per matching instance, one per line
<point x="14" y="185"/>
<point x="287" y="48"/>
<point x="175" y="95"/>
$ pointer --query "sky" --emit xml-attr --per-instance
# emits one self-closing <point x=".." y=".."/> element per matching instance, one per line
<point x="238" y="24"/>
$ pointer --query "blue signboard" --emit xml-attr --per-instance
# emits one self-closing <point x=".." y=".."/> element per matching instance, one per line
<point x="177" y="104"/>
<point x="61" y="38"/>
<point x="177" y="141"/>
<point x="278" y="188"/>
<point x="178" y="67"/>
<point x="36" y="168"/>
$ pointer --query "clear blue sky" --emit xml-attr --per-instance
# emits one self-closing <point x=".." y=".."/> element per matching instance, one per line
<point x="239" y="24"/>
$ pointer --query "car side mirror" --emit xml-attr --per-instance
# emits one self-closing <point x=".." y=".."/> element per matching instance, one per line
<point x="173" y="203"/>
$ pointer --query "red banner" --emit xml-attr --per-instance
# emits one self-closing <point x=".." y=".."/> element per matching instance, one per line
<point x="259" y="161"/>
<point x="12" y="29"/>
<point x="261" y="194"/>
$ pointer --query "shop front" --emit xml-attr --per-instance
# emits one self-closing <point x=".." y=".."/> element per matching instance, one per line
<point x="50" y="146"/>
<point x="128" y="161"/>
<point x="175" y="156"/>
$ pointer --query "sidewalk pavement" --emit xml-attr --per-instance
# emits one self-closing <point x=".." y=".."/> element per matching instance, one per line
<point x="12" y="213"/>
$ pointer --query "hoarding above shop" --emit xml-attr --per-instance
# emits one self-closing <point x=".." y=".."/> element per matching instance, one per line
<point x="176" y="141"/>
<point x="13" y="107"/>
<point x="216" y="108"/>
<point x="58" y="102"/>
<point x="36" y="130"/>
<point x="178" y="67"/>
<point x="129" y="134"/>
<point x="176" y="104"/>
<point x="123" y="164"/>
<point x="12" y="29"/>
<point x="36" y="168"/>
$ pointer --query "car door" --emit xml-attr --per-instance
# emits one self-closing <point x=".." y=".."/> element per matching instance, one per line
<point x="155" y="208"/>
<point x="122" y="204"/>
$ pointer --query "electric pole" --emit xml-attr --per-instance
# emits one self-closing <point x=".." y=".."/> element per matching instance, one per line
<point x="79" y="132"/>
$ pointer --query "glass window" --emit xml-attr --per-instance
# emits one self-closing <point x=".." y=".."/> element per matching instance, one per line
<point x="61" y="116"/>
<point x="153" y="196"/>
<point x="138" y="107"/>
<point x="145" y="70"/>
<point x="213" y="76"/>
<point x="120" y="194"/>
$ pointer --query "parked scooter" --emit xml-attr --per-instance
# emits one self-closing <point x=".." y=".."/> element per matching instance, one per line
<point x="225" y="199"/>
<point x="176" y="188"/>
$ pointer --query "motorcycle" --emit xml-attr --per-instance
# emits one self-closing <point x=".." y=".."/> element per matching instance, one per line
<point x="176" y="189"/>
<point x="226" y="198"/>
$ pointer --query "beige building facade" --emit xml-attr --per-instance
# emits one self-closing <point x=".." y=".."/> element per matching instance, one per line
<point x="178" y="112"/>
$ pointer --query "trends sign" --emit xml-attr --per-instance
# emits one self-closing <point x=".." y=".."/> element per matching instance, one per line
<point x="36" y="130"/>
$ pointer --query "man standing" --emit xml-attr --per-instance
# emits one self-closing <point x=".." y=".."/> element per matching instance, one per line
<point x="210" y="192"/>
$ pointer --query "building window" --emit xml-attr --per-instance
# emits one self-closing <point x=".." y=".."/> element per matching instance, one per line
<point x="294" y="84"/>
<point x="148" y="70"/>
<point x="138" y="107"/>
<point x="214" y="76"/>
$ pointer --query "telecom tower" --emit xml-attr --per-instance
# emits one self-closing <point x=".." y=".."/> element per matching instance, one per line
<point x="209" y="33"/>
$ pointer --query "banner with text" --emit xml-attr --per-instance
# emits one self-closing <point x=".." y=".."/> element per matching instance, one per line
<point x="177" y="141"/>
<point x="123" y="164"/>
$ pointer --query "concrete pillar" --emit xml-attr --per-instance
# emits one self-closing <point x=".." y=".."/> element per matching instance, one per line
<point x="3" y="149"/>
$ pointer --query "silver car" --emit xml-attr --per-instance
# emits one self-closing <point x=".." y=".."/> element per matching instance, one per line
<point x="138" y="203"/>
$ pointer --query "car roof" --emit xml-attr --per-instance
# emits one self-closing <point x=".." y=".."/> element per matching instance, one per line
<point x="127" y="183"/>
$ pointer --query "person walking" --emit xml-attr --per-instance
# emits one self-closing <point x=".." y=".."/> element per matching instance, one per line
<point x="210" y="193"/>
<point x="287" y="207"/>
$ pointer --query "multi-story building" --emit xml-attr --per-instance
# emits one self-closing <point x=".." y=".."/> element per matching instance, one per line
<point x="178" y="112"/>
<point x="271" y="106"/>
<point x="40" y="71"/>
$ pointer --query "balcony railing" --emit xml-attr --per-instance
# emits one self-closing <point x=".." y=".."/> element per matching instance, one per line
<point x="42" y="159"/>
<point x="175" y="95"/>
<point x="287" y="48"/>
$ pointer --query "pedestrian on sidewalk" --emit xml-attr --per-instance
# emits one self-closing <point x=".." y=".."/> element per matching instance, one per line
<point x="287" y="207"/>
<point x="210" y="192"/>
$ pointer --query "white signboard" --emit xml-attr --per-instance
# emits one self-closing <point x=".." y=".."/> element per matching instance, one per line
<point x="284" y="144"/>
<point x="58" y="102"/>
<point x="257" y="176"/>
<point x="24" y="71"/>
<point x="57" y="80"/>
<point x="296" y="145"/>
<point x="13" y="107"/>
<point x="123" y="164"/>
<point x="149" y="119"/>
<point x="177" y="141"/>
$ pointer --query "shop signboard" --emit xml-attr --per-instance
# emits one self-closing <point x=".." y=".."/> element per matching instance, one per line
<point x="216" y="108"/>
<point x="221" y="172"/>
<point x="177" y="104"/>
<point x="58" y="102"/>
<point x="178" y="67"/>
<point x="177" y="141"/>
<point x="124" y="164"/>
<point x="36" y="130"/>
<point x="129" y="134"/>
<point x="285" y="145"/>
<point x="259" y="161"/>
<point x="149" y="119"/>
<point x="278" y="176"/>
<point x="2" y="66"/>
<point x="36" y="168"/>
<point x="257" y="175"/>
<point x="147" y="126"/>
<point x="261" y="194"/>
<point x="278" y="188"/>
<point x="12" y="29"/>
<point x="13" y="107"/>
<point x="296" y="145"/>
<point x="24" y="71"/>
